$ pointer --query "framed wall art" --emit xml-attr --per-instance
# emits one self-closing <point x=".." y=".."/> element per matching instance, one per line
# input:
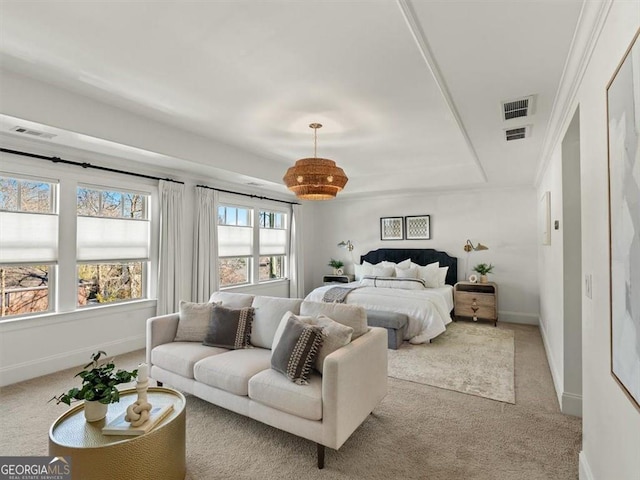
<point x="417" y="227"/>
<point x="623" y="118"/>
<point x="391" y="228"/>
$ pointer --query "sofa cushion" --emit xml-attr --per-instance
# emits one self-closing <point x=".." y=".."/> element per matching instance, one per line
<point x="275" y="390"/>
<point x="229" y="328"/>
<point x="180" y="357"/>
<point x="193" y="321"/>
<point x="349" y="315"/>
<point x="335" y="335"/>
<point x="297" y="349"/>
<point x="232" y="300"/>
<point x="232" y="370"/>
<point x="268" y="312"/>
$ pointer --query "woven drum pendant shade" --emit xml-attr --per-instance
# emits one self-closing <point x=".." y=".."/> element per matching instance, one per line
<point x="315" y="178"/>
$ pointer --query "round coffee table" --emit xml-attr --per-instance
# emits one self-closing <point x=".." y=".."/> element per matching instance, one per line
<point x="159" y="453"/>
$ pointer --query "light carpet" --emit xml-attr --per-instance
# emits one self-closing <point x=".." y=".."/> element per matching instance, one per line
<point x="473" y="358"/>
<point x="417" y="432"/>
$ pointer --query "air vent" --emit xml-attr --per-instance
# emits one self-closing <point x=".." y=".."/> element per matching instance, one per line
<point x="33" y="133"/>
<point x="520" y="107"/>
<point x="254" y="184"/>
<point x="517" y="133"/>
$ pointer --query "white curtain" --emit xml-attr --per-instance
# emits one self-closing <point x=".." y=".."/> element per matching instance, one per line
<point x="169" y="288"/>
<point x="205" y="247"/>
<point x="296" y="254"/>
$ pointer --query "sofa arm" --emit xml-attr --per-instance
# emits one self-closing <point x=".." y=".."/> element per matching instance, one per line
<point x="161" y="330"/>
<point x="353" y="384"/>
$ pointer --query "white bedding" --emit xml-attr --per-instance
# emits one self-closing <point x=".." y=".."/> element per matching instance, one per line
<point x="428" y="310"/>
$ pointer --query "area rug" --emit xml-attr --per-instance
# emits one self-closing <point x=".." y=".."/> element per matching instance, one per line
<point x="473" y="358"/>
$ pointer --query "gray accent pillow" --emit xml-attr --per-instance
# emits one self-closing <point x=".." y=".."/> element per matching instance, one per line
<point x="229" y="328"/>
<point x="297" y="350"/>
<point x="193" y="321"/>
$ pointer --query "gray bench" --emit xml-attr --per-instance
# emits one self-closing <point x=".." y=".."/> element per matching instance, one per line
<point x="395" y="323"/>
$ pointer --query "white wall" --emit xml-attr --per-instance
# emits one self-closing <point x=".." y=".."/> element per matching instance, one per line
<point x="504" y="220"/>
<point x="550" y="272"/>
<point x="611" y="423"/>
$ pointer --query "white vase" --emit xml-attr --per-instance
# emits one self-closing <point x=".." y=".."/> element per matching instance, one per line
<point x="94" y="411"/>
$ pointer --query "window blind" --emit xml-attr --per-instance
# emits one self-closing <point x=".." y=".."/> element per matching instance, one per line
<point x="28" y="237"/>
<point x="235" y="241"/>
<point x="102" y="238"/>
<point x="273" y="241"/>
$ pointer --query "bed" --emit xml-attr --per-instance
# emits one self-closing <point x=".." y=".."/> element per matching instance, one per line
<point x="428" y="309"/>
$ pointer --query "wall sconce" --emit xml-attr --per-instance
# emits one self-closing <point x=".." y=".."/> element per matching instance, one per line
<point x="348" y="245"/>
<point x="468" y="247"/>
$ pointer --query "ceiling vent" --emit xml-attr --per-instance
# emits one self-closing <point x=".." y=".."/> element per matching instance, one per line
<point x="517" y="133"/>
<point x="520" y="107"/>
<point x="33" y="133"/>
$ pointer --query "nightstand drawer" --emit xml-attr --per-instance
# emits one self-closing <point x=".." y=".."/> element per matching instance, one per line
<point x="465" y="299"/>
<point x="482" y="311"/>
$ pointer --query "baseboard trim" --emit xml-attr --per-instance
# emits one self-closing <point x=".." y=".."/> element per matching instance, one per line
<point x="584" y="471"/>
<point x="517" y="317"/>
<point x="54" y="363"/>
<point x="572" y="404"/>
<point x="555" y="374"/>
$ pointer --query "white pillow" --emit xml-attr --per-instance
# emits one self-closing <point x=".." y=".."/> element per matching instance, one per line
<point x="383" y="271"/>
<point x="407" y="272"/>
<point x="193" y="321"/>
<point x="350" y="315"/>
<point x="393" y="282"/>
<point x="404" y="263"/>
<point x="442" y="276"/>
<point x="430" y="274"/>
<point x="385" y="263"/>
<point x="363" y="270"/>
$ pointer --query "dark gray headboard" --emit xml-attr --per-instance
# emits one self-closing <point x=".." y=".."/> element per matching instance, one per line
<point x="421" y="256"/>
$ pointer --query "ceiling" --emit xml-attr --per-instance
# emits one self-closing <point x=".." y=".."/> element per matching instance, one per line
<point x="409" y="92"/>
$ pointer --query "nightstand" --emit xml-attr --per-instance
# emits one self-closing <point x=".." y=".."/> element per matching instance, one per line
<point x="345" y="278"/>
<point x="476" y="300"/>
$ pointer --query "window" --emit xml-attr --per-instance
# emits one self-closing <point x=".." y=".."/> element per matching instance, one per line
<point x="112" y="245"/>
<point x="235" y="245"/>
<point x="28" y="245"/>
<point x="248" y="254"/>
<point x="273" y="245"/>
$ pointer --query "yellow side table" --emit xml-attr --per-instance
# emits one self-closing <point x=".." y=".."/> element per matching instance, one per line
<point x="94" y="456"/>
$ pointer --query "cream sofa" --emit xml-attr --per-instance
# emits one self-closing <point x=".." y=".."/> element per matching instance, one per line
<point x="327" y="411"/>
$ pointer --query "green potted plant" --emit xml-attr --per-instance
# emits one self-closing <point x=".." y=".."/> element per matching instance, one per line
<point x="99" y="380"/>
<point x="337" y="266"/>
<point x="483" y="269"/>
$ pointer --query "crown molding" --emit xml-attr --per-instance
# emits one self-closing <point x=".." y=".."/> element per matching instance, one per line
<point x="585" y="37"/>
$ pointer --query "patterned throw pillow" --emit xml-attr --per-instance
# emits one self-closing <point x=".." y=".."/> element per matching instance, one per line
<point x="297" y="350"/>
<point x="193" y="321"/>
<point x="229" y="328"/>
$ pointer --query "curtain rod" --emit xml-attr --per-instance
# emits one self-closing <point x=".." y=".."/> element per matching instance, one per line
<point x="248" y="195"/>
<point x="86" y="165"/>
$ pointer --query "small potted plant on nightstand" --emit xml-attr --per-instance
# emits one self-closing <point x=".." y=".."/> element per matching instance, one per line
<point x="483" y="269"/>
<point x="337" y="266"/>
<point x="98" y="387"/>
